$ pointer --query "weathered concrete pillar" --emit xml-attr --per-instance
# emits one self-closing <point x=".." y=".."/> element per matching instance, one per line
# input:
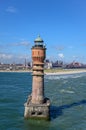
<point x="38" y="90"/>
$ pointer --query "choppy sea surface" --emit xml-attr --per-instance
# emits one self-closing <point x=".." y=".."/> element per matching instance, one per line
<point x="66" y="92"/>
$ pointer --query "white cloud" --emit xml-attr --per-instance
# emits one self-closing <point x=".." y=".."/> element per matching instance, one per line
<point x="61" y="55"/>
<point x="59" y="47"/>
<point x="75" y="56"/>
<point x="13" y="58"/>
<point x="5" y="56"/>
<point x="24" y="57"/>
<point x="11" y="9"/>
<point x="22" y="43"/>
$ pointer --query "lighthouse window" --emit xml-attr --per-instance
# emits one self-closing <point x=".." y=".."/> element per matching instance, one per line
<point x="33" y="113"/>
<point x="39" y="113"/>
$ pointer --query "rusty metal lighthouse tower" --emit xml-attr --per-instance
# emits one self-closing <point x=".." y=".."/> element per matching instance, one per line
<point x="37" y="106"/>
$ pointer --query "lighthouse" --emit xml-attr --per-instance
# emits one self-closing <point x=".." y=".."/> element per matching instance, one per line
<point x="37" y="105"/>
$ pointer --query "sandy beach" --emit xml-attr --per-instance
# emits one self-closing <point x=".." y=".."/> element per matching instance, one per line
<point x="51" y="72"/>
<point x="63" y="72"/>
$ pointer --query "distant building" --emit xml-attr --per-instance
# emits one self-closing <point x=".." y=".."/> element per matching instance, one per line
<point x="48" y="64"/>
<point x="57" y="64"/>
<point x="14" y="67"/>
<point x="74" y="65"/>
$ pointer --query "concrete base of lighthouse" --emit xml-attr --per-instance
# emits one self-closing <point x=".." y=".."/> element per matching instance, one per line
<point x="37" y="111"/>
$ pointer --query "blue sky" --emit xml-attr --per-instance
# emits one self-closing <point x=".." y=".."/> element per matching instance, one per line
<point x="61" y="24"/>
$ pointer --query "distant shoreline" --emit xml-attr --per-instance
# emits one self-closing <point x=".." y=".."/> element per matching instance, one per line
<point x="53" y="72"/>
<point x="19" y="71"/>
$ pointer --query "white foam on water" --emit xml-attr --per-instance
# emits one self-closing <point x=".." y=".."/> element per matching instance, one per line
<point x="66" y="91"/>
<point x="65" y="81"/>
<point x="55" y="77"/>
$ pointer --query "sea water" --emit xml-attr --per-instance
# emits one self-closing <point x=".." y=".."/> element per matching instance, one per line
<point x="66" y="92"/>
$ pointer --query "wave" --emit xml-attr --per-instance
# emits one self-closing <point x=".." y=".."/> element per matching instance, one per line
<point x="66" y="91"/>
